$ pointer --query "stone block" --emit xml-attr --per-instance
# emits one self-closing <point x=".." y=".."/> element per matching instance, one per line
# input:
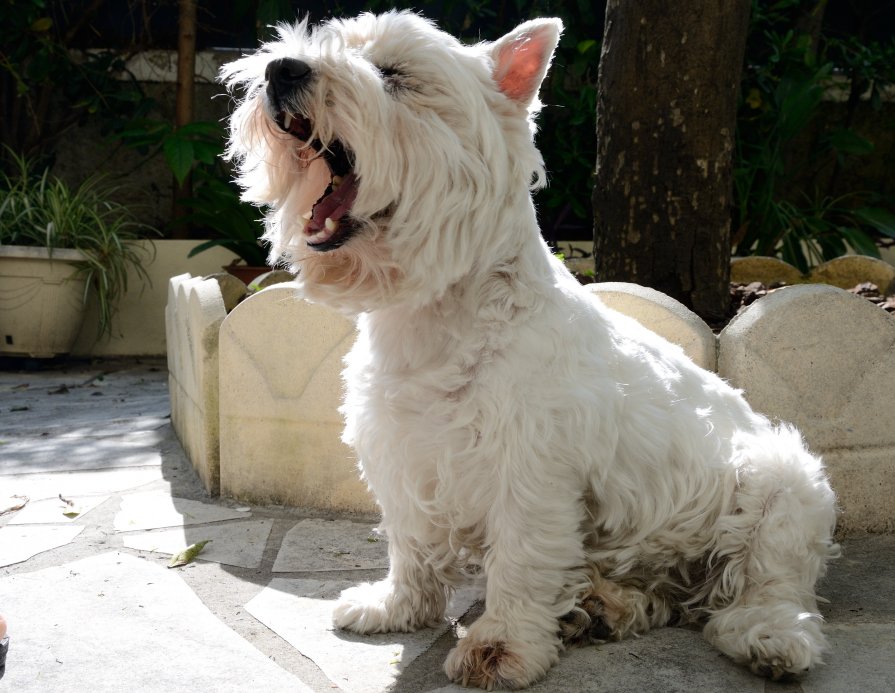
<point x="232" y="289"/>
<point x="844" y="272"/>
<point x="863" y="481"/>
<point x="767" y="270"/>
<point x="193" y="318"/>
<point x="848" y="271"/>
<point x="280" y="388"/>
<point x="821" y="358"/>
<point x="664" y="316"/>
<point x="267" y="279"/>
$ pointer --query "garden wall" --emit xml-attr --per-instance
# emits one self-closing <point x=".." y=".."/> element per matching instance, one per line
<point x="254" y="394"/>
<point x="138" y="328"/>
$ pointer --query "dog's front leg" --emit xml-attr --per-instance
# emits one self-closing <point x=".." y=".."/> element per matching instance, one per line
<point x="411" y="597"/>
<point x="530" y="567"/>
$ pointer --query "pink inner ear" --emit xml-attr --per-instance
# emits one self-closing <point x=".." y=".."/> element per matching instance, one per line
<point x="519" y="66"/>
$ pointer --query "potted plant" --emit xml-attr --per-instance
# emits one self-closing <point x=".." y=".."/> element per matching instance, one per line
<point x="215" y="206"/>
<point x="58" y="246"/>
<point x="212" y="209"/>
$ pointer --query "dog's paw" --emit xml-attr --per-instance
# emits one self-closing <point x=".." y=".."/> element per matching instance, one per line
<point x="381" y="608"/>
<point x="499" y="664"/>
<point x="786" y="656"/>
<point x="779" y="642"/>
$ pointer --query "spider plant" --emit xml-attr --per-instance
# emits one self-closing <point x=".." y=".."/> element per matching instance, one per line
<point x="37" y="209"/>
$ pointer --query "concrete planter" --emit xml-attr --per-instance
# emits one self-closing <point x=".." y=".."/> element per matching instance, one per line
<point x="42" y="303"/>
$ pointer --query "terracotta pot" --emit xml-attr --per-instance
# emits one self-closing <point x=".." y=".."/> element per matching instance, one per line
<point x="245" y="273"/>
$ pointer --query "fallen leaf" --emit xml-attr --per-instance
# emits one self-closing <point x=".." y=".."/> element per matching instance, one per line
<point x="71" y="510"/>
<point x="188" y="554"/>
<point x="11" y="506"/>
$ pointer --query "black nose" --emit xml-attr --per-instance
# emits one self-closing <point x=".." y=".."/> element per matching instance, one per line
<point x="285" y="75"/>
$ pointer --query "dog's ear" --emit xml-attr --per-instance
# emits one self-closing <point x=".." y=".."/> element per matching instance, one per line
<point x="521" y="58"/>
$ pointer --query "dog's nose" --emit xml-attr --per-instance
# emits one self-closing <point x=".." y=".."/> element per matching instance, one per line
<point x="287" y="74"/>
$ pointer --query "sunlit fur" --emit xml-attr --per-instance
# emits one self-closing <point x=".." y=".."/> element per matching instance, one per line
<point x="507" y="422"/>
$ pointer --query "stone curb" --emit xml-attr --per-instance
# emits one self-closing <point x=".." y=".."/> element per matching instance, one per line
<point x="193" y="318"/>
<point x="664" y="316"/>
<point x="813" y="355"/>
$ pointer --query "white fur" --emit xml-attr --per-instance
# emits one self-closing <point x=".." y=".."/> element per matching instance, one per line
<point x="506" y="420"/>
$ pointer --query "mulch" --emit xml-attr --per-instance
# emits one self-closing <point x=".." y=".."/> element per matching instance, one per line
<point x="744" y="295"/>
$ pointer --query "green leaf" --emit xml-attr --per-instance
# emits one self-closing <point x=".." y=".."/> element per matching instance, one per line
<point x="41" y="25"/>
<point x="585" y="46"/>
<point x="860" y="241"/>
<point x="202" y="247"/>
<point x="188" y="554"/>
<point x="849" y="142"/>
<point x="202" y="128"/>
<point x="881" y="219"/>
<point x="207" y="152"/>
<point x="179" y="155"/>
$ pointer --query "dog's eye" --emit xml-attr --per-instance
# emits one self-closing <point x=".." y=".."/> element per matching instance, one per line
<point x="393" y="78"/>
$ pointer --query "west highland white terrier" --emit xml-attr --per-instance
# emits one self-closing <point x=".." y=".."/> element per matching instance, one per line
<point x="508" y="423"/>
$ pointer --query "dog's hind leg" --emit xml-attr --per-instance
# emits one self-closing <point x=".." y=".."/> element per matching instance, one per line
<point x="611" y="610"/>
<point x="770" y="552"/>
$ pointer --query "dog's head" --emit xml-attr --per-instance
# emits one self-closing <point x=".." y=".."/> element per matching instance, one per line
<point x="392" y="157"/>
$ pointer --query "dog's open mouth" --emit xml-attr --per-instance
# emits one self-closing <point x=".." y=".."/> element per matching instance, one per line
<point x="328" y="224"/>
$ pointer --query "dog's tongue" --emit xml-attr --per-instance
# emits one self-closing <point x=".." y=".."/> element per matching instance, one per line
<point x="326" y="214"/>
<point x="338" y="202"/>
<point x="323" y="198"/>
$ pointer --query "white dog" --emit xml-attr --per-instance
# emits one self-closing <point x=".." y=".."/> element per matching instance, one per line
<point x="506" y="421"/>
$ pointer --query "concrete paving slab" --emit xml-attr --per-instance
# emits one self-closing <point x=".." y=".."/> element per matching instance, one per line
<point x="232" y="543"/>
<point x="862" y="659"/>
<point x="126" y="625"/>
<point x="56" y="510"/>
<point x="314" y="545"/>
<point x="155" y="509"/>
<point x="82" y="450"/>
<point x="50" y="485"/>
<point x="115" y="396"/>
<point x="667" y="659"/>
<point x="20" y="543"/>
<point x="300" y="611"/>
<point x="860" y="585"/>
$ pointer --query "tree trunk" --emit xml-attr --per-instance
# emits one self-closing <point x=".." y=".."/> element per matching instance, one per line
<point x="666" y="112"/>
<point x="185" y="99"/>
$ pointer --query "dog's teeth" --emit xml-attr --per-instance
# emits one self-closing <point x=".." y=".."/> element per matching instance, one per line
<point x="306" y="216"/>
<point x="330" y="224"/>
<point x="287" y="121"/>
<point x="337" y="181"/>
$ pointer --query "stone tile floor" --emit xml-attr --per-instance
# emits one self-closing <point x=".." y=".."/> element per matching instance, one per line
<point x="110" y="496"/>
